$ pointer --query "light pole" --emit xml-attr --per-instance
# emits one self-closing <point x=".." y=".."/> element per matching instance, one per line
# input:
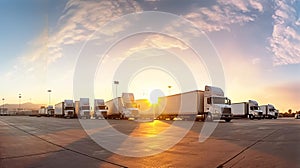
<point x="3" y="106"/>
<point x="169" y="89"/>
<point x="116" y="83"/>
<point x="20" y="96"/>
<point x="49" y="100"/>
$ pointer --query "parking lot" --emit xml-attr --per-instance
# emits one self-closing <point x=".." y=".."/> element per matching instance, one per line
<point x="54" y="142"/>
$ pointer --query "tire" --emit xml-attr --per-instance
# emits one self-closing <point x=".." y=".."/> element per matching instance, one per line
<point x="251" y="117"/>
<point x="228" y="119"/>
<point x="208" y="117"/>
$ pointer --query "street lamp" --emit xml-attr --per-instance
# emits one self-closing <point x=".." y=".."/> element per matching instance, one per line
<point x="169" y="89"/>
<point x="49" y="100"/>
<point x="20" y="96"/>
<point x="116" y="83"/>
<point x="3" y="106"/>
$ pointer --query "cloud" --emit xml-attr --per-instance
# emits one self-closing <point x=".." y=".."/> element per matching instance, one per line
<point x="226" y="12"/>
<point x="285" y="40"/>
<point x="82" y="18"/>
<point x="157" y="41"/>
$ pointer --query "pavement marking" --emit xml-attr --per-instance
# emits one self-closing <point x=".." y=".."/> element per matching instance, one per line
<point x="68" y="149"/>
<point x="246" y="148"/>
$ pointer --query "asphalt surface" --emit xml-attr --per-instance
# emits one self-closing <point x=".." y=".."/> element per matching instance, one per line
<point x="52" y="142"/>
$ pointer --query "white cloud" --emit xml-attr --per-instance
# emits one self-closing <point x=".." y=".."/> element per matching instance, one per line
<point x="224" y="13"/>
<point x="285" y="40"/>
<point x="82" y="18"/>
<point x="157" y="41"/>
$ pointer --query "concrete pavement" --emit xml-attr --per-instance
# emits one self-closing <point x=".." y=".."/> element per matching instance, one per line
<point x="53" y="142"/>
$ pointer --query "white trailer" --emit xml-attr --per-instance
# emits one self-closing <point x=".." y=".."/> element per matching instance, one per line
<point x="100" y="109"/>
<point x="65" y="109"/>
<point x="43" y="111"/>
<point x="269" y="111"/>
<point x="209" y="105"/>
<point x="114" y="108"/>
<point x="84" y="108"/>
<point x="248" y="109"/>
<point x="124" y="107"/>
<point x="146" y="108"/>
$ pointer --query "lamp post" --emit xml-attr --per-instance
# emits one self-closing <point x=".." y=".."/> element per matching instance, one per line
<point x="169" y="89"/>
<point x="3" y="106"/>
<point x="20" y="96"/>
<point x="116" y="83"/>
<point x="49" y="99"/>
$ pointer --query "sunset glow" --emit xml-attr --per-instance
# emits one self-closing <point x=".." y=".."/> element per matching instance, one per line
<point x="257" y="44"/>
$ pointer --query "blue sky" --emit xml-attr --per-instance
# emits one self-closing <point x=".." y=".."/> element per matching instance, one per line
<point x="258" y="43"/>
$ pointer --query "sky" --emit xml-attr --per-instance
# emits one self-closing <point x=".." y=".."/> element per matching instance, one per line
<point x="249" y="48"/>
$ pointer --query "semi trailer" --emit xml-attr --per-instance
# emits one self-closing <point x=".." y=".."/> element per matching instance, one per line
<point x="82" y="108"/>
<point x="208" y="105"/>
<point x="46" y="111"/>
<point x="65" y="109"/>
<point x="124" y="107"/>
<point x="100" y="109"/>
<point x="248" y="109"/>
<point x="269" y="111"/>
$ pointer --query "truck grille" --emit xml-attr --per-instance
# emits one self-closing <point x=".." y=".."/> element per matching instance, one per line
<point x="227" y="111"/>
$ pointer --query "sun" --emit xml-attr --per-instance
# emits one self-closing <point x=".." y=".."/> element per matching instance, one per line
<point x="151" y="83"/>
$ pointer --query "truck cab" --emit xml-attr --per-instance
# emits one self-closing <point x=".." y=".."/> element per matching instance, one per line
<point x="216" y="106"/>
<point x="254" y="110"/>
<point x="129" y="106"/>
<point x="100" y="109"/>
<point x="269" y="111"/>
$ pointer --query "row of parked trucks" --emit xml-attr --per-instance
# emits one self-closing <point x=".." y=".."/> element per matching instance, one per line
<point x="210" y="104"/>
<point x="252" y="110"/>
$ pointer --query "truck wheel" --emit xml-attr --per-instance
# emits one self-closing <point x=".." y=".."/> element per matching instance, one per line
<point x="251" y="117"/>
<point x="228" y="119"/>
<point x="208" y="117"/>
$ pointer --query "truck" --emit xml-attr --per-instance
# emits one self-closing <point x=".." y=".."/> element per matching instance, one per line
<point x="43" y="111"/>
<point x="269" y="111"/>
<point x="207" y="105"/>
<point x="124" y="107"/>
<point x="50" y="110"/>
<point x="82" y="108"/>
<point x="65" y="109"/>
<point x="248" y="109"/>
<point x="100" y="109"/>
<point x="46" y="111"/>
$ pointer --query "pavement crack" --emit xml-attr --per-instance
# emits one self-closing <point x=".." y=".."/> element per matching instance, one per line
<point x="246" y="148"/>
<point x="30" y="155"/>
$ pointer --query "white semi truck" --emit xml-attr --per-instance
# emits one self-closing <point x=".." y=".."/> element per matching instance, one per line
<point x="208" y="105"/>
<point x="82" y="108"/>
<point x="124" y="107"/>
<point x="269" y="111"/>
<point x="65" y="109"/>
<point x="43" y="111"/>
<point x="100" y="109"/>
<point x="46" y="111"/>
<point x="248" y="109"/>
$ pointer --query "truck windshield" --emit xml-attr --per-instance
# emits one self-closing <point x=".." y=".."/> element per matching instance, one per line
<point x="69" y="108"/>
<point x="100" y="107"/>
<point x="221" y="100"/>
<point x="254" y="108"/>
<point x="85" y="108"/>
